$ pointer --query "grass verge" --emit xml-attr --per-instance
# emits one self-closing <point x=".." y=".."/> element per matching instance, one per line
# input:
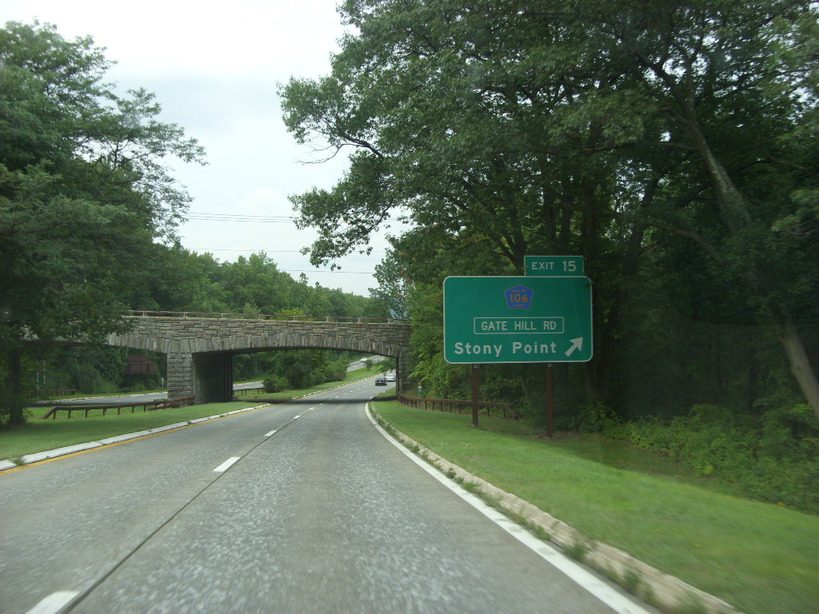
<point x="37" y="435"/>
<point x="756" y="556"/>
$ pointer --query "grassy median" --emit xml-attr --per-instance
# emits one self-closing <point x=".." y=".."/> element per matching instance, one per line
<point x="37" y="435"/>
<point x="756" y="556"/>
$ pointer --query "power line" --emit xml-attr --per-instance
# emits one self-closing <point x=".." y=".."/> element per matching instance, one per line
<point x="266" y="251"/>
<point x="253" y="251"/>
<point x="333" y="272"/>
<point x="235" y="217"/>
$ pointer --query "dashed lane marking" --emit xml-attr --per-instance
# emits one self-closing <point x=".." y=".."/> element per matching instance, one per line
<point x="53" y="603"/>
<point x="226" y="465"/>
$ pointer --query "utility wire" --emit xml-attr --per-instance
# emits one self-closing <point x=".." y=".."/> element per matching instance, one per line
<point x="261" y="249"/>
<point x="235" y="217"/>
<point x="333" y="272"/>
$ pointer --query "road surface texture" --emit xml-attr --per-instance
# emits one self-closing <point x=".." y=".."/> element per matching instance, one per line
<point x="300" y="507"/>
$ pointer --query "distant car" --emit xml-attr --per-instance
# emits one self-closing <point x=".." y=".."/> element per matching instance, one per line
<point x="390" y="377"/>
<point x="380" y="381"/>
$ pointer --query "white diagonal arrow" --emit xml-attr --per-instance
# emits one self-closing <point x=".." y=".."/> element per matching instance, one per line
<point x="577" y="344"/>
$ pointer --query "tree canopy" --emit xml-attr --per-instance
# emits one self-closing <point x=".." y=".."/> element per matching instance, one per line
<point x="84" y="190"/>
<point x="672" y="144"/>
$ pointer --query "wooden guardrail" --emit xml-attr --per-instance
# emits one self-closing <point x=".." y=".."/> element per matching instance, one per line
<point x="243" y="391"/>
<point x="452" y="406"/>
<point x="146" y="406"/>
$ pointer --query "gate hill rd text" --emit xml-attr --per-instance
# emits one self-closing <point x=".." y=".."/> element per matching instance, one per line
<point x="518" y="325"/>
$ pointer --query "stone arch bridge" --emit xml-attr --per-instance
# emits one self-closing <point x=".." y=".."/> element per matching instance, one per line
<point x="200" y="347"/>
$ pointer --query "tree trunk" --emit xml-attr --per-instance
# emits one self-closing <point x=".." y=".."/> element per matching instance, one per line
<point x="615" y="321"/>
<point x="736" y="217"/>
<point x="800" y="364"/>
<point x="14" y="386"/>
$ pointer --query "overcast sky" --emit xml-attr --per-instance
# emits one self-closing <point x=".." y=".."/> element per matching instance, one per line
<point x="214" y="68"/>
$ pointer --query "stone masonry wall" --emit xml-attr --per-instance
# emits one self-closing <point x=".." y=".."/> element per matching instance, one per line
<point x="181" y="338"/>
<point x="193" y="335"/>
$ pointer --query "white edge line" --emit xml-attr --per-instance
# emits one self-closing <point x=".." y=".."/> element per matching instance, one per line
<point x="168" y="427"/>
<point x="226" y="465"/>
<point x="53" y="603"/>
<point x="126" y="437"/>
<point x="572" y="570"/>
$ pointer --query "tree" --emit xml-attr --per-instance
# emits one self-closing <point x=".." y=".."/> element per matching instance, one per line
<point x="736" y="85"/>
<point x="83" y="192"/>
<point x="393" y="286"/>
<point x="600" y="128"/>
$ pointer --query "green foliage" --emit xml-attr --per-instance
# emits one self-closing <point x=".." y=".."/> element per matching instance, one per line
<point x="294" y="369"/>
<point x="673" y="146"/>
<point x="275" y="383"/>
<point x="174" y="279"/>
<point x="773" y="457"/>
<point x="84" y="192"/>
<point x="179" y="280"/>
<point x="594" y="418"/>
<point x="756" y="556"/>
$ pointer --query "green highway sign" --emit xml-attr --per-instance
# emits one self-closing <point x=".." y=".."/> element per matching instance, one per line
<point x="517" y="319"/>
<point x="553" y="266"/>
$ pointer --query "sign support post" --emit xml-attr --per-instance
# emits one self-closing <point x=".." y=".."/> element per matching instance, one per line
<point x="550" y="401"/>
<point x="474" y="374"/>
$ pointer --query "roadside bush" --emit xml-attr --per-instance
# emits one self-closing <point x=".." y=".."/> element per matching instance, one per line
<point x="593" y="417"/>
<point x="334" y="371"/>
<point x="275" y="383"/>
<point x="772" y="457"/>
<point x="596" y="418"/>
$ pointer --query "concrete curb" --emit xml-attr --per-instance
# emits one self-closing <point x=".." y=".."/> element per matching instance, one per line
<point x="666" y="592"/>
<point x="81" y="447"/>
<point x="5" y="464"/>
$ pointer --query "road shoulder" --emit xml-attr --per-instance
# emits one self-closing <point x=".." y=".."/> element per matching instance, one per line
<point x="659" y="589"/>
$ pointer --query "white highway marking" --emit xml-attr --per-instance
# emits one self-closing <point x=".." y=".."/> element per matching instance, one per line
<point x="270" y="433"/>
<point x="605" y="593"/>
<point x="226" y="465"/>
<point x="296" y="417"/>
<point x="53" y="603"/>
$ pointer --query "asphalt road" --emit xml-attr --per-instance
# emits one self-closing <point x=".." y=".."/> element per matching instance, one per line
<point x="303" y="507"/>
